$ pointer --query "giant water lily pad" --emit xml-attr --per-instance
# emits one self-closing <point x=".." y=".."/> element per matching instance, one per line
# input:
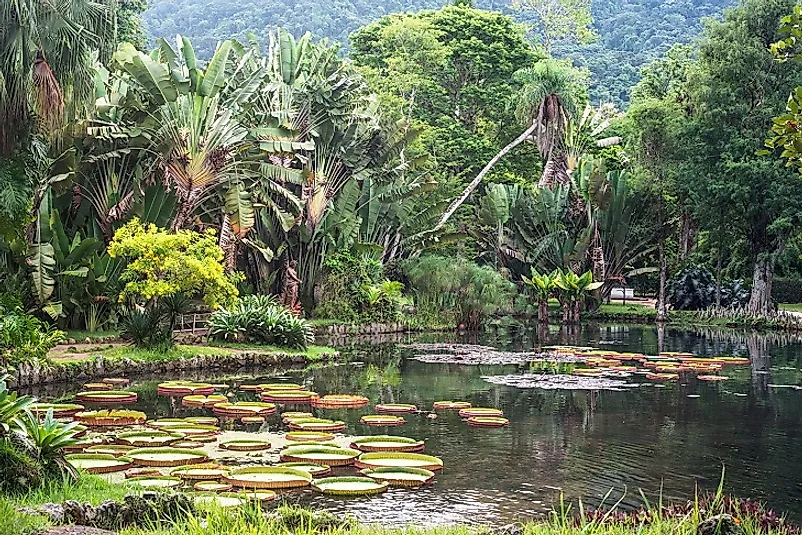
<point x="155" y="482"/>
<point x="60" y="410"/>
<point x="391" y="459"/>
<point x="382" y="420"/>
<point x="288" y="416"/>
<point x="165" y="456"/>
<point x="308" y="436"/>
<point x="330" y="455"/>
<point x="289" y="397"/>
<point x="223" y="500"/>
<point x="547" y="381"/>
<point x="340" y="401"/>
<point x="400" y="476"/>
<point x="203" y="401"/>
<point x="111" y="418"/>
<point x="148" y="438"/>
<point x="388" y="443"/>
<point x="350" y="486"/>
<point x="268" y="477"/>
<point x="252" y="419"/>
<point x="184" y="388"/>
<point x="451" y="405"/>
<point x="244" y="408"/>
<point x="480" y="411"/>
<point x="117" y="450"/>
<point x="108" y="397"/>
<point x="191" y="430"/>
<point x="211" y="486"/>
<point x="267" y="387"/>
<point x="396" y="408"/>
<point x="258" y="495"/>
<point x="488" y="421"/>
<point x="315" y="469"/>
<point x="98" y="386"/>
<point x="98" y="463"/>
<point x="203" y="471"/>
<point x="246" y="445"/>
<point x="317" y="424"/>
<point x="472" y="355"/>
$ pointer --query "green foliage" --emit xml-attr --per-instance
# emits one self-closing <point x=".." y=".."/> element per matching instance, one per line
<point x="471" y="292"/>
<point x="12" y="408"/>
<point x="25" y="338"/>
<point x="560" y="20"/>
<point x="18" y="472"/>
<point x="785" y="290"/>
<point x="160" y="263"/>
<point x="694" y="288"/>
<point x="260" y="319"/>
<point x="50" y="436"/>
<point x="17" y="523"/>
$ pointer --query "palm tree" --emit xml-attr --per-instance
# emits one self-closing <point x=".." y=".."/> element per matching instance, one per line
<point x="46" y="60"/>
<point x="548" y="100"/>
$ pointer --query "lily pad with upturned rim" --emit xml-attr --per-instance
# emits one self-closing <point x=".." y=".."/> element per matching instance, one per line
<point x="94" y="387"/>
<point x="392" y="459"/>
<point x="184" y="388"/>
<point x="60" y="410"/>
<point x="111" y="418"/>
<point x="451" y="405"/>
<point x="388" y="443"/>
<point x="161" y="482"/>
<point x="395" y="408"/>
<point x="317" y="424"/>
<point x="223" y="500"/>
<point x="98" y="463"/>
<point x="165" y="457"/>
<point x="382" y="420"/>
<point x="118" y="450"/>
<point x="203" y="401"/>
<point x="400" y="476"/>
<point x="244" y="408"/>
<point x="246" y="445"/>
<point x="107" y="397"/>
<point x="349" y="486"/>
<point x="266" y="387"/>
<point x="289" y="397"/>
<point x="712" y="378"/>
<point x="148" y="438"/>
<point x="187" y="444"/>
<point x="258" y="495"/>
<point x="340" y="401"/>
<point x="308" y="436"/>
<point x="286" y="417"/>
<point x="267" y="477"/>
<point x="252" y="419"/>
<point x="317" y="470"/>
<point x="330" y="455"/>
<point x="116" y="381"/>
<point x="488" y="421"/>
<point x="480" y="411"/>
<point x="203" y="471"/>
<point x="211" y="486"/>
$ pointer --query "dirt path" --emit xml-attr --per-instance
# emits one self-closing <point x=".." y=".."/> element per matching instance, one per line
<point x="69" y="352"/>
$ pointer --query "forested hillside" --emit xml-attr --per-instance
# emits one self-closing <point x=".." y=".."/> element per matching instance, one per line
<point x="633" y="32"/>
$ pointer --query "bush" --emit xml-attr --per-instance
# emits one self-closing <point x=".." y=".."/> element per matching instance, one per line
<point x="260" y="319"/>
<point x="18" y="472"/>
<point x="354" y="290"/>
<point x="153" y="327"/>
<point x="24" y="338"/>
<point x="694" y="288"/>
<point x="471" y="293"/>
<point x="786" y="290"/>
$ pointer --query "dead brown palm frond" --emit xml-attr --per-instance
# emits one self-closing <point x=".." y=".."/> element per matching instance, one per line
<point x="48" y="98"/>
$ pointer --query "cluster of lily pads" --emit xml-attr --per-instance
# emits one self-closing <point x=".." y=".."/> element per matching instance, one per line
<point x="174" y="452"/>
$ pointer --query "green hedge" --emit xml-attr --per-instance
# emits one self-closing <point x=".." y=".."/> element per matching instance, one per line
<point x="786" y="290"/>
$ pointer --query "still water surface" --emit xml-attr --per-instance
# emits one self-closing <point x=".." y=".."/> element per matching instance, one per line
<point x="585" y="444"/>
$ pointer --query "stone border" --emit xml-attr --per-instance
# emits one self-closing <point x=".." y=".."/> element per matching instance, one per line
<point x="33" y="374"/>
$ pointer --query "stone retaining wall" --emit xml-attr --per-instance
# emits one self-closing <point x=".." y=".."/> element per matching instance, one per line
<point x="32" y="374"/>
<point x="370" y="328"/>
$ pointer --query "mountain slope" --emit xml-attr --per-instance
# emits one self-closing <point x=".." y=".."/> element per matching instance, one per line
<point x="633" y="32"/>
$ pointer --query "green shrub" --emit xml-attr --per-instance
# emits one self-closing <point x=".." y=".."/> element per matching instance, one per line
<point x="153" y="327"/>
<point x="786" y="290"/>
<point x="24" y="338"/>
<point x="259" y="319"/>
<point x="18" y="471"/>
<point x="694" y="288"/>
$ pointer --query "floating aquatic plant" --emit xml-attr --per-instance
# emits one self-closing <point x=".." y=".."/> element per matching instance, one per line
<point x="392" y="459"/>
<point x="480" y="411"/>
<point x="559" y="382"/>
<point x="488" y="421"/>
<point x="329" y="455"/>
<point x="60" y="410"/>
<point x="382" y="420"/>
<point x="203" y="401"/>
<point x="349" y="486"/>
<point x="165" y="457"/>
<point x="148" y="438"/>
<point x="212" y="486"/>
<point x="340" y="401"/>
<point x="245" y="445"/>
<point x="111" y="417"/>
<point x="184" y="388"/>
<point x="451" y="405"/>
<point x="244" y="408"/>
<point x="400" y="476"/>
<point x="202" y="471"/>
<point x="388" y="443"/>
<point x="308" y="436"/>
<point x="108" y="397"/>
<point x="98" y="463"/>
<point x="160" y="482"/>
<point x="396" y="408"/>
<point x="268" y="477"/>
<point x="289" y="397"/>
<point x="315" y="469"/>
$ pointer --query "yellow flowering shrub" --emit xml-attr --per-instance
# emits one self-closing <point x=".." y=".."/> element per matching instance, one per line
<point x="162" y="263"/>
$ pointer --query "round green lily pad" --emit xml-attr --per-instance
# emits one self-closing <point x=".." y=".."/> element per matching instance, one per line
<point x="315" y="469"/>
<point x="392" y="459"/>
<point x="244" y="408"/>
<point x="107" y="397"/>
<point x="117" y="450"/>
<point x="60" y="410"/>
<point x="330" y="455"/>
<point x="350" y="486"/>
<point x="203" y="471"/>
<point x="160" y="457"/>
<point x="148" y="438"/>
<point x="308" y="436"/>
<point x="245" y="445"/>
<point x="211" y="486"/>
<point x="488" y="421"/>
<point x="184" y="388"/>
<point x="382" y="420"/>
<point x="224" y="500"/>
<point x="278" y="386"/>
<point x="451" y="405"/>
<point x="98" y="463"/>
<point x="199" y="400"/>
<point x="289" y="397"/>
<point x="111" y="418"/>
<point x="388" y="443"/>
<point x="268" y="477"/>
<point x="160" y="482"/>
<point x="258" y="495"/>
<point x="317" y="424"/>
<point x="396" y="408"/>
<point x="400" y="476"/>
<point x="479" y="411"/>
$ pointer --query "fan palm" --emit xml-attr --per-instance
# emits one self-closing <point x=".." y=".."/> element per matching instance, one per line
<point x="548" y="101"/>
<point x="45" y="60"/>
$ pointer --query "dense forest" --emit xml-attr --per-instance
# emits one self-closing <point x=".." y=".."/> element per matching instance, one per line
<point x="631" y="32"/>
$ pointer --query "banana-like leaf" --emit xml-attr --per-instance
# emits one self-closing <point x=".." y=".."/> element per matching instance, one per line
<point x="239" y="207"/>
<point x="153" y="76"/>
<point x="215" y="76"/>
<point x="42" y="262"/>
<point x="192" y="64"/>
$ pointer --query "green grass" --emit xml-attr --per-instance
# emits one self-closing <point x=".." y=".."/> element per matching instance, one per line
<point x="792" y="307"/>
<point x="13" y="522"/>
<point x="80" y="335"/>
<point x="87" y="488"/>
<point x="312" y="352"/>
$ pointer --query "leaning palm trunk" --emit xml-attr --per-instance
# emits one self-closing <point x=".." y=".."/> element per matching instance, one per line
<point x="478" y="179"/>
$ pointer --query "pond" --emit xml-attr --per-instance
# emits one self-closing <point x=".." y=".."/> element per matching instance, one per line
<point x="659" y="438"/>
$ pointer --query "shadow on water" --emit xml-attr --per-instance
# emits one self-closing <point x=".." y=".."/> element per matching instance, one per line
<point x="582" y="443"/>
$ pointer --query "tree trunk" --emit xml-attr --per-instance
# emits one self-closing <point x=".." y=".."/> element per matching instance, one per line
<point x="760" y="300"/>
<point x="575" y="316"/>
<point x="718" y="277"/>
<point x="543" y="311"/>
<point x="566" y="312"/>
<point x="476" y="181"/>
<point x="661" y="291"/>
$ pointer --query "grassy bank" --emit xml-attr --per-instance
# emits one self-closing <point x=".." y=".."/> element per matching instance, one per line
<point x="683" y="519"/>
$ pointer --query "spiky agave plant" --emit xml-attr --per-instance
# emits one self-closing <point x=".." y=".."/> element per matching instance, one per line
<point x="50" y="437"/>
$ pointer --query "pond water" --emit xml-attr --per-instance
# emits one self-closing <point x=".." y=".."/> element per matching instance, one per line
<point x="588" y="445"/>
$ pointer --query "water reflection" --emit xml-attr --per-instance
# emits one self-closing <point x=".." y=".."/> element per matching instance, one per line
<point x="585" y="443"/>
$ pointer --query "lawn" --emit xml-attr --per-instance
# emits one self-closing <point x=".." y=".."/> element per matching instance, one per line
<point x="791" y="307"/>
